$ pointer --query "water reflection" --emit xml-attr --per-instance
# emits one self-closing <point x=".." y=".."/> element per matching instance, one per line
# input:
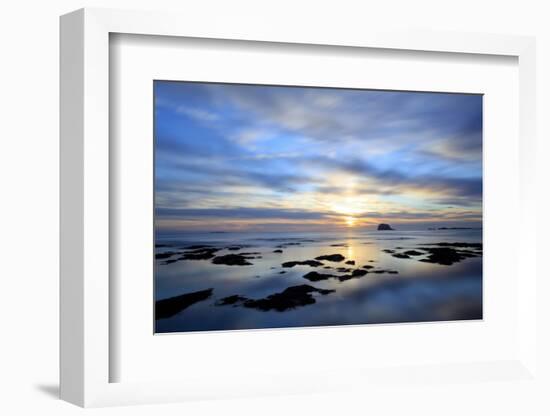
<point x="421" y="291"/>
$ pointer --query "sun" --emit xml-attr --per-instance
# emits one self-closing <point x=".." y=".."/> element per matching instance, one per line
<point x="350" y="221"/>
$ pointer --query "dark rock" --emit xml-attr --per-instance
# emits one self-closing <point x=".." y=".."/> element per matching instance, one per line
<point x="331" y="257"/>
<point x="230" y="300"/>
<point x="198" y="247"/>
<point x="381" y="271"/>
<point x="388" y="251"/>
<point x="351" y="262"/>
<point x="166" y="308"/>
<point x="233" y="248"/>
<point x="339" y="245"/>
<point x="231" y="260"/>
<point x="384" y="227"/>
<point x="290" y="298"/>
<point x="311" y="263"/>
<point x="366" y="266"/>
<point x="278" y="251"/>
<point x="401" y="256"/>
<point x="282" y="272"/>
<point x="445" y="256"/>
<point x="170" y="261"/>
<point x="478" y="246"/>
<point x="165" y="255"/>
<point x="468" y="253"/>
<point x="316" y="277"/>
<point x="456" y="228"/>
<point x="285" y="245"/>
<point x="355" y="274"/>
<point x="413" y="253"/>
<point x="343" y="269"/>
<point x="199" y="254"/>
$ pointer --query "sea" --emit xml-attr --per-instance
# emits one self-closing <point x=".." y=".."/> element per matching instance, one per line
<point x="206" y="295"/>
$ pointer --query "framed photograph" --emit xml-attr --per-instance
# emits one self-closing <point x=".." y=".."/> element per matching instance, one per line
<point x="248" y="210"/>
<point x="288" y="206"/>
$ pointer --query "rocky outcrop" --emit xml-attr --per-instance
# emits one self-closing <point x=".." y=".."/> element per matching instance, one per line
<point x="165" y="255"/>
<point x="290" y="298"/>
<point x="316" y="277"/>
<point x="199" y="254"/>
<point x="385" y="227"/>
<point x="311" y="263"/>
<point x="166" y="308"/>
<point x="232" y="260"/>
<point x="445" y="254"/>
<point x="331" y="257"/>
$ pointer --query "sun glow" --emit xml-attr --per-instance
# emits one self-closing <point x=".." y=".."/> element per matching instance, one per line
<point x="348" y="205"/>
<point x="350" y="221"/>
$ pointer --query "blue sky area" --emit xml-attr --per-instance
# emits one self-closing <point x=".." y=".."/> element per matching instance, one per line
<point x="234" y="157"/>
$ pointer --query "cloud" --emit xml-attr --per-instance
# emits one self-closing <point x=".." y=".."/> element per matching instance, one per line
<point x="430" y="215"/>
<point x="335" y="114"/>
<point x="259" y="151"/>
<point x="239" y="213"/>
<point x="197" y="113"/>
<point x="398" y="182"/>
<point x="224" y="173"/>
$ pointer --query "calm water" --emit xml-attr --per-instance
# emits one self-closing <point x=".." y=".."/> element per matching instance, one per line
<point x="420" y="291"/>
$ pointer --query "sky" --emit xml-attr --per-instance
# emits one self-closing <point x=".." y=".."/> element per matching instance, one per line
<point x="232" y="157"/>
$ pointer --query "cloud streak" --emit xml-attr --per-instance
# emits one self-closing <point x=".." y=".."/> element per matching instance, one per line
<point x="247" y="153"/>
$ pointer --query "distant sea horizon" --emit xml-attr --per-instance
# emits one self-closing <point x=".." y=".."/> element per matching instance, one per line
<point x="197" y="236"/>
<point x="165" y="232"/>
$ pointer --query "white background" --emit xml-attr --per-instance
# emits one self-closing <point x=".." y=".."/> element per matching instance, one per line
<point x="29" y="174"/>
<point x="138" y="60"/>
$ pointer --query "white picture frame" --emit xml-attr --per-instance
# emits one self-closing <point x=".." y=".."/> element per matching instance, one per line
<point x="85" y="205"/>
